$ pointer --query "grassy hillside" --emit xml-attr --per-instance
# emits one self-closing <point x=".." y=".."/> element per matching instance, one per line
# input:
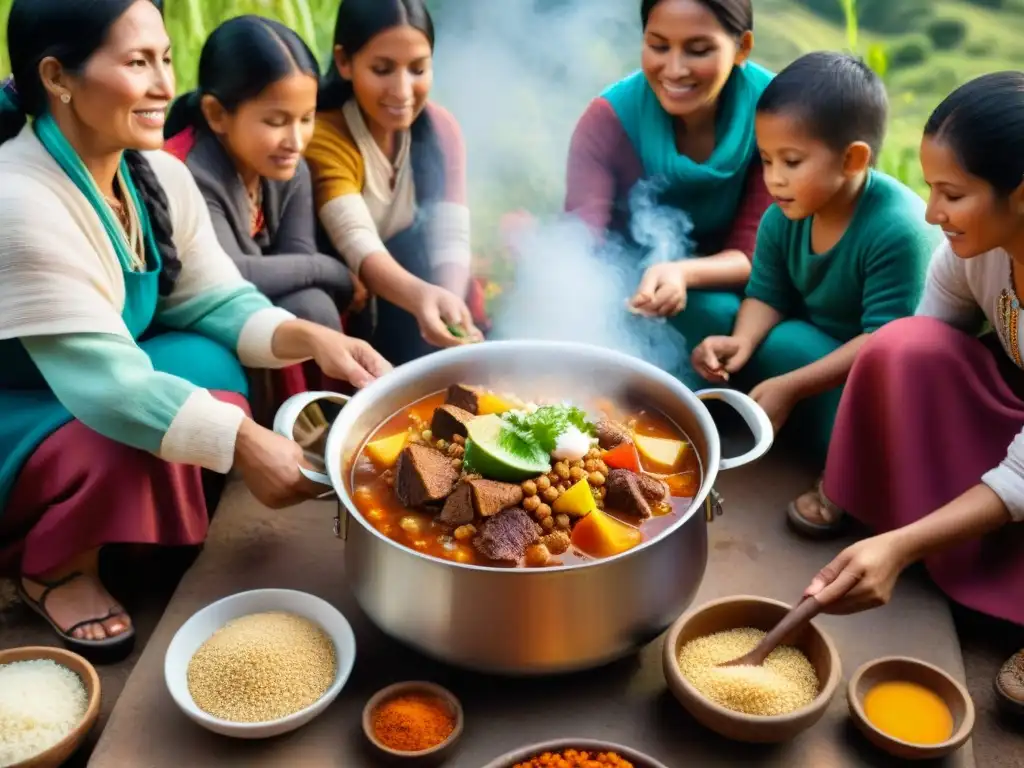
<point x="517" y="81"/>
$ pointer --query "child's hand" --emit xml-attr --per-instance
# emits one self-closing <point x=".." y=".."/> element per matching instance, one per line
<point x="662" y="291"/>
<point x="777" y="397"/>
<point x="717" y="357"/>
<point x="861" y="577"/>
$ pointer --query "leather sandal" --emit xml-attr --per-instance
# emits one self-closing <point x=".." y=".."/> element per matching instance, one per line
<point x="108" y="650"/>
<point x="834" y="517"/>
<point x="1009" y="684"/>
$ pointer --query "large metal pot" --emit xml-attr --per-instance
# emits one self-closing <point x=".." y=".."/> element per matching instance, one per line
<point x="522" y="621"/>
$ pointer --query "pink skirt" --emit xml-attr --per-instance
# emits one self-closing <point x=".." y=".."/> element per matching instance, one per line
<point x="80" y="491"/>
<point x="927" y="410"/>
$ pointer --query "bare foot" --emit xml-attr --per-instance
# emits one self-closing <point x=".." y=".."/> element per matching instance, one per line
<point x="812" y="508"/>
<point x="81" y="599"/>
<point x="1011" y="679"/>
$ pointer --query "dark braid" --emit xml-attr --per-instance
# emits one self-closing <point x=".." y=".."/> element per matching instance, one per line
<point x="159" y="210"/>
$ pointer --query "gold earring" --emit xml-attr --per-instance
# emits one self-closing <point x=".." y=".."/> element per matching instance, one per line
<point x="65" y="98"/>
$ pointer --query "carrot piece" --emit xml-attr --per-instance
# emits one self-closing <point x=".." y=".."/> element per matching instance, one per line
<point x="622" y="456"/>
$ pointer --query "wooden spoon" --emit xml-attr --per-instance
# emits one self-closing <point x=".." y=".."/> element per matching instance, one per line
<point x="797" y="616"/>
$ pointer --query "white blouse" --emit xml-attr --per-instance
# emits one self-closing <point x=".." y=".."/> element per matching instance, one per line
<point x="963" y="293"/>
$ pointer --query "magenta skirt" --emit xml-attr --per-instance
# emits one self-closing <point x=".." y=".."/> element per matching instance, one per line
<point x="80" y="491"/>
<point x="927" y="410"/>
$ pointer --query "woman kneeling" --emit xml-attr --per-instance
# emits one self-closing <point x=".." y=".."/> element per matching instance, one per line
<point x="123" y="324"/>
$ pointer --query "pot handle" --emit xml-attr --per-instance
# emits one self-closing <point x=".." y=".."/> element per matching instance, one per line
<point x="755" y="417"/>
<point x="301" y="412"/>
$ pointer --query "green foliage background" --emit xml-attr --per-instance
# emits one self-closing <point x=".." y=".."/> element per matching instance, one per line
<point x="923" y="48"/>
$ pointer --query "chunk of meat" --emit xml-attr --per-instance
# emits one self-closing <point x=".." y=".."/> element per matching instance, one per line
<point x="491" y="497"/>
<point x="653" y="488"/>
<point x="479" y="497"/>
<point x="448" y="421"/>
<point x="458" y="508"/>
<point x="625" y="495"/>
<point x="611" y="433"/>
<point x="506" y="536"/>
<point x="464" y="397"/>
<point x="423" y="475"/>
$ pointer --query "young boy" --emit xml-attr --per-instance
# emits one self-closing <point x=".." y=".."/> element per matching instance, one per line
<point x="842" y="252"/>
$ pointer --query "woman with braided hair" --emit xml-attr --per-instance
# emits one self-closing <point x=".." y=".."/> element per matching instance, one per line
<point x="124" y="325"/>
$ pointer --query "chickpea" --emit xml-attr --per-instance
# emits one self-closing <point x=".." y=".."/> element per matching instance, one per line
<point x="465" y="532"/>
<point x="531" y="503"/>
<point x="462" y="556"/>
<point x="594" y="453"/>
<point x="537" y="556"/>
<point x="562" y="488"/>
<point x="663" y="508"/>
<point x="575" y="463"/>
<point x="410" y="525"/>
<point x="562" y="470"/>
<point x="427" y="435"/>
<point x="457" y="450"/>
<point x="576" y="474"/>
<point x="442" y="445"/>
<point x="543" y="512"/>
<point x="590" y="465"/>
<point x="553" y="477"/>
<point x="529" y="488"/>
<point x="602" y="492"/>
<point x="459" y="439"/>
<point x="543" y="483"/>
<point x="457" y="464"/>
<point x="551" y="494"/>
<point x="557" y="542"/>
<point x="376" y="514"/>
<point x="563" y="522"/>
<point x="602" y="468"/>
<point x="596" y="479"/>
<point x="548" y="523"/>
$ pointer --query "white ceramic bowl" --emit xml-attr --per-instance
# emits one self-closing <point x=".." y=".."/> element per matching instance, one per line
<point x="197" y="630"/>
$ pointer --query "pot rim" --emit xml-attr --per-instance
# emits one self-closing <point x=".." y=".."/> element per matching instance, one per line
<point x="414" y="369"/>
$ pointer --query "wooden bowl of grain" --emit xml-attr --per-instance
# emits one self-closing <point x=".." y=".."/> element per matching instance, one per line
<point x="798" y="684"/>
<point x="59" y="752"/>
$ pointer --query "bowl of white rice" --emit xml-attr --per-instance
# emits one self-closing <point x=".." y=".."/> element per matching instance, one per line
<point x="49" y="701"/>
<point x="261" y="663"/>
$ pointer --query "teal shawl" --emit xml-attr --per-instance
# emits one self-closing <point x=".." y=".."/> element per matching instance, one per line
<point x="710" y="192"/>
<point x="50" y="136"/>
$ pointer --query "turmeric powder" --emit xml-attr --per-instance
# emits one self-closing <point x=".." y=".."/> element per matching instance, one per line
<point x="413" y="723"/>
<point x="572" y="758"/>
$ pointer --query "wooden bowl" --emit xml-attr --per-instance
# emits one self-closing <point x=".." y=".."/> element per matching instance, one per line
<point x="759" y="613"/>
<point x="638" y="759"/>
<point x="436" y="754"/>
<point x="63" y="749"/>
<point x="910" y="670"/>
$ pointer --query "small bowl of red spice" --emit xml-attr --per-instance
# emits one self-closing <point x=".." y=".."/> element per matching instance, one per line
<point x="413" y="721"/>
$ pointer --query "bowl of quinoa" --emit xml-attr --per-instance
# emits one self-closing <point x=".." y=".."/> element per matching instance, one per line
<point x="764" y="704"/>
<point x="261" y="663"/>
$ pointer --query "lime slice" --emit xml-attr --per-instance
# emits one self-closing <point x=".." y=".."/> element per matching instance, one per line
<point x="488" y="455"/>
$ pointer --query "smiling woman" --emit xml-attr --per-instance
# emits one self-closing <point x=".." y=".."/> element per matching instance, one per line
<point x="684" y="121"/>
<point x="242" y="133"/>
<point x="123" y="324"/>
<point x="390" y="178"/>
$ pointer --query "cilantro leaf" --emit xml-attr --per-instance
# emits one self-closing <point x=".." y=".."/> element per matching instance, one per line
<point x="528" y="434"/>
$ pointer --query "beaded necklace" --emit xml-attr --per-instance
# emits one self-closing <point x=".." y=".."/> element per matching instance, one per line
<point x="1009" y="318"/>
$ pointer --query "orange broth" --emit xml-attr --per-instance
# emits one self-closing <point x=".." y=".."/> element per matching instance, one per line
<point x="416" y="529"/>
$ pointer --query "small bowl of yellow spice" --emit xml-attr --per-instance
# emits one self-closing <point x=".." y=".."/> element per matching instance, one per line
<point x="765" y="704"/>
<point x="909" y="708"/>
<point x="261" y="663"/>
